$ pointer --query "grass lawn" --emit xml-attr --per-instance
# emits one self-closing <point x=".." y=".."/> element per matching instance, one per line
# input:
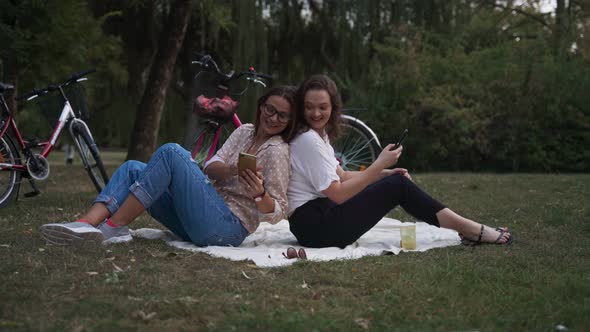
<point x="538" y="283"/>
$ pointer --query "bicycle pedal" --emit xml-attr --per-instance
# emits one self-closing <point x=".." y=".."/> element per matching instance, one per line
<point x="35" y="191"/>
<point x="32" y="194"/>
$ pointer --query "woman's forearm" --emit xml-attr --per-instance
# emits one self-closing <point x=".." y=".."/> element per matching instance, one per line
<point x="219" y="171"/>
<point x="351" y="184"/>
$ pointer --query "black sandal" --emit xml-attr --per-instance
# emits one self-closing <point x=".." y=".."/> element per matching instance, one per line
<point x="467" y="242"/>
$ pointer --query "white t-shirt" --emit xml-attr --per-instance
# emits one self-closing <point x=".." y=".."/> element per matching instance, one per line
<point x="313" y="168"/>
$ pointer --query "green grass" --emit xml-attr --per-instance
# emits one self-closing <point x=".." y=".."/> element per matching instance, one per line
<point x="539" y="282"/>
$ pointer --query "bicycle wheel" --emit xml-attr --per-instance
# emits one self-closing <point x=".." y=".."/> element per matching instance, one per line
<point x="203" y="141"/>
<point x="90" y="156"/>
<point x="358" y="146"/>
<point x="9" y="179"/>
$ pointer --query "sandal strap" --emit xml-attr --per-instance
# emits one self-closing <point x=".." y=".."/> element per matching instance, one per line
<point x="480" y="235"/>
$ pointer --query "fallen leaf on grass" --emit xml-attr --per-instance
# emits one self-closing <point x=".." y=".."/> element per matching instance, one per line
<point x="188" y="300"/>
<point x="362" y="322"/>
<point x="9" y="323"/>
<point x="142" y="315"/>
<point x="41" y="249"/>
<point x="116" y="268"/>
<point x="304" y="285"/>
<point x="92" y="273"/>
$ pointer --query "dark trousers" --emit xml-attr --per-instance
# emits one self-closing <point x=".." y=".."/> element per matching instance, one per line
<point x="324" y="223"/>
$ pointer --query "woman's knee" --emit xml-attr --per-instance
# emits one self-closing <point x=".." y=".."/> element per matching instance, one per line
<point x="399" y="180"/>
<point x="167" y="148"/>
<point x="132" y="166"/>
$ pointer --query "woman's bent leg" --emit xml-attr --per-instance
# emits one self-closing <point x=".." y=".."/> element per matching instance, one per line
<point x="117" y="189"/>
<point x="325" y="223"/>
<point x="197" y="208"/>
<point x="163" y="211"/>
<point x="114" y="193"/>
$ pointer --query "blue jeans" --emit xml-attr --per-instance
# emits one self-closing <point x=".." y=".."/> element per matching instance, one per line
<point x="175" y="192"/>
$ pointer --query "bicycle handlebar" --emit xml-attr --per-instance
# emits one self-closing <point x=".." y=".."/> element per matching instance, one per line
<point x="52" y="87"/>
<point x="207" y="60"/>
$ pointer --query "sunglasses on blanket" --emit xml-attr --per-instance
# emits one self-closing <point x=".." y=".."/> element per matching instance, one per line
<point x="293" y="253"/>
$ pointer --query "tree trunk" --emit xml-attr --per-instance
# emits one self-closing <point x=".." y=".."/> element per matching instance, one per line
<point x="560" y="28"/>
<point x="149" y="113"/>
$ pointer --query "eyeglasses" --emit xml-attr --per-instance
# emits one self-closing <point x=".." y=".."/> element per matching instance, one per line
<point x="270" y="111"/>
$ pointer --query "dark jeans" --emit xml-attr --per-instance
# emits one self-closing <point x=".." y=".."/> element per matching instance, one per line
<point x="323" y="223"/>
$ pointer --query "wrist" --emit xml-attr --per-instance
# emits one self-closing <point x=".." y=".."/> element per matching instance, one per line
<point x="259" y="197"/>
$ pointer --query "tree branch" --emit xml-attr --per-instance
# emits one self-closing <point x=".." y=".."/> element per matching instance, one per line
<point x="518" y="10"/>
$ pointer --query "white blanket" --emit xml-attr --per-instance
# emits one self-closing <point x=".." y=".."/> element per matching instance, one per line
<point x="266" y="246"/>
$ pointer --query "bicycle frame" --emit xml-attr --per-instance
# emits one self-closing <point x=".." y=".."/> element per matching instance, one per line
<point x="66" y="116"/>
<point x="212" y="149"/>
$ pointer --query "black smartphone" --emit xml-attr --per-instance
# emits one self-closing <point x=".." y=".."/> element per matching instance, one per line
<point x="401" y="139"/>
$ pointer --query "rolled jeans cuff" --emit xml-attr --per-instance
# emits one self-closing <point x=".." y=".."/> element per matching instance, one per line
<point x="110" y="202"/>
<point x="141" y="194"/>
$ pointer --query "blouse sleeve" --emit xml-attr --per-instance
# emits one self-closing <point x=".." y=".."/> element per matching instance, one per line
<point x="275" y="174"/>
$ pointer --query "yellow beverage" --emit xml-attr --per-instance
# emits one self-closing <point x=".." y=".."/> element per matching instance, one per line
<point x="408" y="235"/>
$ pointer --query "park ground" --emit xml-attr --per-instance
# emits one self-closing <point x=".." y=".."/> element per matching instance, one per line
<point x="539" y="283"/>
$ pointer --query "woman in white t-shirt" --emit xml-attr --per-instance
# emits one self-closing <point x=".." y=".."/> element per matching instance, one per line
<point x="332" y="207"/>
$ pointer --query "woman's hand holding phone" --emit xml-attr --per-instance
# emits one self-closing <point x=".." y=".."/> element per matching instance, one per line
<point x="389" y="156"/>
<point x="252" y="181"/>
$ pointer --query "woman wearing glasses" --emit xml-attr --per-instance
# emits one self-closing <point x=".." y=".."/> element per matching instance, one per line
<point x="177" y="193"/>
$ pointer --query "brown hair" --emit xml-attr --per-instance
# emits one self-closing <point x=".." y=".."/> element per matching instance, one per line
<point x="288" y="93"/>
<point x="320" y="82"/>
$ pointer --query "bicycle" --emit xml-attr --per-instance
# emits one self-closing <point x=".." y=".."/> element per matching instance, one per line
<point x="36" y="166"/>
<point x="357" y="147"/>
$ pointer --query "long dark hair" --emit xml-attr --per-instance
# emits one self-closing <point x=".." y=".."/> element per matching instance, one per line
<point x="287" y="92"/>
<point x="320" y="82"/>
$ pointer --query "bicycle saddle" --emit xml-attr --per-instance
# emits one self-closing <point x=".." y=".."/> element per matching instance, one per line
<point x="5" y="87"/>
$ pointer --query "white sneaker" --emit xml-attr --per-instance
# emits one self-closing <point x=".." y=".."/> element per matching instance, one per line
<point x="114" y="234"/>
<point x="71" y="233"/>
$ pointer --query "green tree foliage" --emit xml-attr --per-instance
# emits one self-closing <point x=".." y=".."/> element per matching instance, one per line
<point x="45" y="42"/>
<point x="482" y="85"/>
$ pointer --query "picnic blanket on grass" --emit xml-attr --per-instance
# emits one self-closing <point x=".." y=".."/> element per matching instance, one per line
<point x="266" y="246"/>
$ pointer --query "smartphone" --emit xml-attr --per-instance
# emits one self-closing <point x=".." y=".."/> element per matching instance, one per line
<point x="401" y="139"/>
<point x="246" y="161"/>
